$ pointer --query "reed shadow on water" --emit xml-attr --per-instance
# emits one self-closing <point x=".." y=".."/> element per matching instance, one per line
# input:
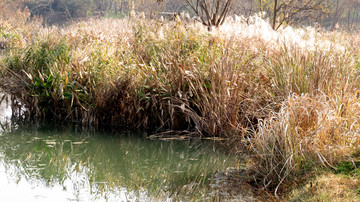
<point x="109" y="166"/>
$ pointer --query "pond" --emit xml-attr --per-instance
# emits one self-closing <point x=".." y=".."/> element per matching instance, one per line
<point x="52" y="163"/>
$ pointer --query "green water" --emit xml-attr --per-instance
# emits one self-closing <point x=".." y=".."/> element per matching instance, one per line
<point x="62" y="164"/>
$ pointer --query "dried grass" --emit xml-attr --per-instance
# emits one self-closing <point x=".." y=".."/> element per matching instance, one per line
<point x="305" y="132"/>
<point x="295" y="92"/>
<point x="328" y="187"/>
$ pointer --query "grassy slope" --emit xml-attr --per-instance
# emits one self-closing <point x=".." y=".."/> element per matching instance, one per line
<point x="296" y="91"/>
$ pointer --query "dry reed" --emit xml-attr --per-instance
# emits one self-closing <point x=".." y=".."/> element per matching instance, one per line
<point x="295" y="91"/>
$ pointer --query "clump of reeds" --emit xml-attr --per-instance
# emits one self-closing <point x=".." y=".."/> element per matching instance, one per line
<point x="182" y="80"/>
<point x="307" y="131"/>
<point x="316" y="123"/>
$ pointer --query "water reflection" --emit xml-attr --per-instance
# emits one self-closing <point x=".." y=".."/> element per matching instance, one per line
<point x="5" y="110"/>
<point x="86" y="166"/>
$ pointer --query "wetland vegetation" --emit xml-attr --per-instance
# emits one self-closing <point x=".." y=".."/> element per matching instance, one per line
<point x="290" y="98"/>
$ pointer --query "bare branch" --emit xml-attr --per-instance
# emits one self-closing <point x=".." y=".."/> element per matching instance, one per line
<point x="211" y="13"/>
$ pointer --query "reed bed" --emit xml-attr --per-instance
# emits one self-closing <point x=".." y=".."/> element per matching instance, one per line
<point x="293" y="93"/>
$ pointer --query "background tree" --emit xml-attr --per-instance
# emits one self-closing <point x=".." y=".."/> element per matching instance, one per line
<point x="210" y="12"/>
<point x="352" y="13"/>
<point x="337" y="10"/>
<point x="150" y="7"/>
<point x="290" y="11"/>
<point x="244" y="8"/>
<point x="344" y="14"/>
<point x="331" y="14"/>
<point x="57" y="11"/>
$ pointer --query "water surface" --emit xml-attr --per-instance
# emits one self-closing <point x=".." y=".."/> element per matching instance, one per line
<point x="68" y="164"/>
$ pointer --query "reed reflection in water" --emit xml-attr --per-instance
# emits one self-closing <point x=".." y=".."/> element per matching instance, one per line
<point x="67" y="165"/>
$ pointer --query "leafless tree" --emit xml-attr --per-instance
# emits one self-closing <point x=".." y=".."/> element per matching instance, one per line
<point x="287" y="11"/>
<point x="244" y="8"/>
<point x="211" y="12"/>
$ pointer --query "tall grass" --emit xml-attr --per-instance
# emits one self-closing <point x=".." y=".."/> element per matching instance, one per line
<point x="121" y="76"/>
<point x="305" y="132"/>
<point x="294" y="92"/>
